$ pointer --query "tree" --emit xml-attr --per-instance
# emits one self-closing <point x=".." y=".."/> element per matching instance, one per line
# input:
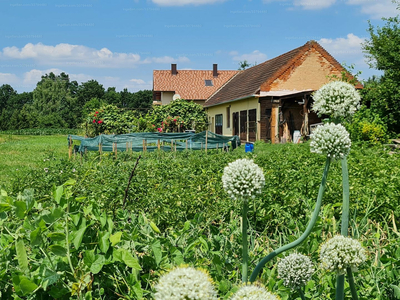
<point x="243" y="65"/>
<point x="54" y="103"/>
<point x="89" y="90"/>
<point x="112" y="97"/>
<point x="382" y="95"/>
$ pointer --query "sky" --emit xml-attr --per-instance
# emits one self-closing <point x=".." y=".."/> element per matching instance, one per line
<point x="120" y="43"/>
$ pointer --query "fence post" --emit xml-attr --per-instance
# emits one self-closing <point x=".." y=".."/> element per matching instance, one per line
<point x="115" y="150"/>
<point x="70" y="148"/>
<point x="206" y="139"/>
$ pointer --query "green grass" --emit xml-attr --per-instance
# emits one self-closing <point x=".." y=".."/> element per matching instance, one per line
<point x="21" y="154"/>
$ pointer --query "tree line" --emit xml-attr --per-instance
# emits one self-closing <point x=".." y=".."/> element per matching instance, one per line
<point x="58" y="102"/>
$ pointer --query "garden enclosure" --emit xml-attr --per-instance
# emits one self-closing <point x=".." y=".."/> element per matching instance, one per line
<point x="150" y="141"/>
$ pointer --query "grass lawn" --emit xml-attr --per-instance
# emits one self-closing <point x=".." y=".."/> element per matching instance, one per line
<point x="23" y="153"/>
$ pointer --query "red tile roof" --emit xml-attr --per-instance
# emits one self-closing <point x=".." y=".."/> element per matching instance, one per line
<point x="190" y="84"/>
<point x="248" y="82"/>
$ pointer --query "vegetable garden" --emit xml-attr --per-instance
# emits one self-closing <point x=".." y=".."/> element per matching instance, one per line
<point x="113" y="227"/>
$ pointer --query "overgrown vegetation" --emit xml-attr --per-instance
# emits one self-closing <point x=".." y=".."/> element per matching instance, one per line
<point x="177" y="213"/>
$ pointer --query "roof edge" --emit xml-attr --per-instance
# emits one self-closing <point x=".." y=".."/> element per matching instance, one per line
<point x="234" y="100"/>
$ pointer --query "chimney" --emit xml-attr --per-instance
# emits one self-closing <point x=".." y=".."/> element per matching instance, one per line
<point x="215" y="70"/>
<point x="173" y="69"/>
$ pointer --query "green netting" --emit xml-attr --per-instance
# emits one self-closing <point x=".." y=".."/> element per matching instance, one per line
<point x="152" y="140"/>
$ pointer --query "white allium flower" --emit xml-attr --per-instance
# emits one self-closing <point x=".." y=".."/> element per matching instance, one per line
<point x="295" y="270"/>
<point x="340" y="253"/>
<point x="185" y="283"/>
<point x="253" y="292"/>
<point x="336" y="99"/>
<point x="332" y="140"/>
<point x="243" y="179"/>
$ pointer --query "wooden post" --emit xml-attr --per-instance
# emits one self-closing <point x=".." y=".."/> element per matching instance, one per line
<point x="145" y="145"/>
<point x="217" y="146"/>
<point x="186" y="144"/>
<point x="70" y="148"/>
<point x="158" y="144"/>
<point x="100" y="149"/>
<point x="206" y="139"/>
<point x="175" y="146"/>
<point x="144" y="149"/>
<point x="127" y="147"/>
<point x="115" y="150"/>
<point x="201" y="148"/>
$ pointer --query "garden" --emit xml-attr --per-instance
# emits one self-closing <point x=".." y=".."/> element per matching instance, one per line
<point x="201" y="225"/>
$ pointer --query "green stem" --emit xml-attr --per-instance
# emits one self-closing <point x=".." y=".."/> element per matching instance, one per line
<point x="310" y="225"/>
<point x="346" y="197"/>
<point x="301" y="294"/>
<point x="339" y="287"/>
<point x="345" y="222"/>
<point x="67" y="240"/>
<point x="352" y="285"/>
<point x="244" y="241"/>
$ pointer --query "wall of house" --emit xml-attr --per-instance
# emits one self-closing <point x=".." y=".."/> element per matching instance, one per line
<point x="237" y="106"/>
<point x="166" y="97"/>
<point x="309" y="72"/>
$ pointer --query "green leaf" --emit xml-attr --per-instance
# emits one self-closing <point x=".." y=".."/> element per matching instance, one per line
<point x="58" y="250"/>
<point x="103" y="219"/>
<point x="57" y="194"/>
<point x="20" y="209"/>
<point x="56" y="236"/>
<point x="129" y="260"/>
<point x="88" y="295"/>
<point x="110" y="224"/>
<point x="396" y="291"/>
<point x="78" y="236"/>
<point x="69" y="182"/>
<point x="98" y="264"/>
<point x="5" y="207"/>
<point x="28" y="196"/>
<point x="104" y="242"/>
<point x="36" y="237"/>
<point x="115" y="238"/>
<point x="89" y="257"/>
<point x="75" y="218"/>
<point x="137" y="289"/>
<point x="156" y="247"/>
<point x="21" y="255"/>
<point x="154" y="227"/>
<point x="23" y="285"/>
<point x="49" y="277"/>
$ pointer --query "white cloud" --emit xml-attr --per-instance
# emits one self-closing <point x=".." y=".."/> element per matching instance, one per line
<point x="166" y="60"/>
<point x="254" y="57"/>
<point x="185" y="2"/>
<point x="137" y="81"/>
<point x="8" y="78"/>
<point x="343" y="47"/>
<point x="376" y="9"/>
<point x="314" y="4"/>
<point x="81" y="56"/>
<point x="34" y="76"/>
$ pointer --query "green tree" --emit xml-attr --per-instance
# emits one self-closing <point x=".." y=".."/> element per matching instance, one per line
<point x="54" y="102"/>
<point x="191" y="114"/>
<point x="243" y="65"/>
<point x="112" y="97"/>
<point x="89" y="90"/>
<point x="382" y="95"/>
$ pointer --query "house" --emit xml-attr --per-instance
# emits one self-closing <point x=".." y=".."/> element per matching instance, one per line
<point x="272" y="101"/>
<point x="193" y="85"/>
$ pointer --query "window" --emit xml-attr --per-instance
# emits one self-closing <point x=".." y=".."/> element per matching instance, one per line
<point x="228" y="117"/>
<point x="218" y="124"/>
<point x="208" y="82"/>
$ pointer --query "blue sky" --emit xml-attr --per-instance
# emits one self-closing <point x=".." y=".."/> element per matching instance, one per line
<point x="120" y="43"/>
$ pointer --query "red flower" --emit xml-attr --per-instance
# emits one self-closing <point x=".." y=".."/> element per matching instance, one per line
<point x="99" y="122"/>
<point x="94" y="121"/>
<point x="174" y="120"/>
<point x="153" y="125"/>
<point x="97" y="112"/>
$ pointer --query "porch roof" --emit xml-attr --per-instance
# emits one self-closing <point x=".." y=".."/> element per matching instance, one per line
<point x="283" y="93"/>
